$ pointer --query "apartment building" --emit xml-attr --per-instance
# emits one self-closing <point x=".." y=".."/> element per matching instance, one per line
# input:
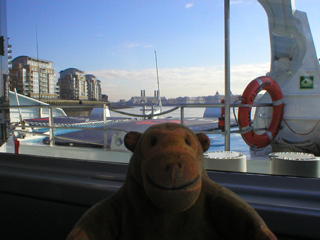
<point x="94" y="87"/>
<point x="33" y="77"/>
<point x="73" y="84"/>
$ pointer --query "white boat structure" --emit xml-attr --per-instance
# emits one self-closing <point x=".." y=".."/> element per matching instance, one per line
<point x="284" y="138"/>
<point x="295" y="67"/>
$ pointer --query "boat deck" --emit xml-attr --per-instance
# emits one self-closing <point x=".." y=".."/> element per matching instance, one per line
<point x="96" y="135"/>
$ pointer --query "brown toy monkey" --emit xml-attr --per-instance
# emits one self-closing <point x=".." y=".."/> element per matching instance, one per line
<point x="168" y="195"/>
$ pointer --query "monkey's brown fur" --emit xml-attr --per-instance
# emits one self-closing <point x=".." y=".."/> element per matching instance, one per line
<point x="168" y="195"/>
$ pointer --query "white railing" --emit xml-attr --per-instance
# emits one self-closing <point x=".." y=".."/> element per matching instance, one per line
<point x="22" y="128"/>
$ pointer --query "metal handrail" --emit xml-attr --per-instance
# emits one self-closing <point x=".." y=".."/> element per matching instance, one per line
<point x="145" y="115"/>
<point x="51" y="125"/>
<point x="216" y="105"/>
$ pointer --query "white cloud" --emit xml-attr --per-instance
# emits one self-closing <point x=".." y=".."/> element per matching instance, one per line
<point x="132" y="45"/>
<point x="189" y="5"/>
<point x="241" y="1"/>
<point x="136" y="45"/>
<point x="236" y="1"/>
<point x="147" y="46"/>
<point x="175" y="82"/>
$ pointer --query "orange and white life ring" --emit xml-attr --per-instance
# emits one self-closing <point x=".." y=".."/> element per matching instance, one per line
<point x="255" y="86"/>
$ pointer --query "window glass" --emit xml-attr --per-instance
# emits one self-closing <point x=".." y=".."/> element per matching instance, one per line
<point x="129" y="52"/>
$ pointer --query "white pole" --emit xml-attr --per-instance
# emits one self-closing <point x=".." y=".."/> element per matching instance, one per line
<point x="51" y="130"/>
<point x="227" y="73"/>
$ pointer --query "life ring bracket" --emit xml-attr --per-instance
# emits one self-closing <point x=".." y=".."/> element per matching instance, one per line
<point x="244" y="116"/>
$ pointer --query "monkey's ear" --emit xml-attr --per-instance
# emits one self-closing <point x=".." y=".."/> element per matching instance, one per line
<point x="204" y="141"/>
<point x="131" y="139"/>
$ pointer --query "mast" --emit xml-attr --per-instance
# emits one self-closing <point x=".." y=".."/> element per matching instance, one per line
<point x="158" y="82"/>
<point x="38" y="68"/>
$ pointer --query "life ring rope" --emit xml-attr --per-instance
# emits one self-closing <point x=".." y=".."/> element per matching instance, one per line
<point x="246" y="129"/>
<point x="244" y="116"/>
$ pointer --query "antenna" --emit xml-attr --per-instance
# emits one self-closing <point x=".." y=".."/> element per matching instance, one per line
<point x="38" y="59"/>
<point x="38" y="68"/>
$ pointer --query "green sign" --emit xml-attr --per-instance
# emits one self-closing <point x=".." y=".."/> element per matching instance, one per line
<point x="306" y="82"/>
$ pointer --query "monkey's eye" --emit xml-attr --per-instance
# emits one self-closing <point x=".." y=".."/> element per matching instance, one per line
<point x="188" y="142"/>
<point x="153" y="142"/>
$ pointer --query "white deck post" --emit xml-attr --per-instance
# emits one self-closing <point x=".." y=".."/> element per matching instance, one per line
<point x="51" y="130"/>
<point x="105" y="133"/>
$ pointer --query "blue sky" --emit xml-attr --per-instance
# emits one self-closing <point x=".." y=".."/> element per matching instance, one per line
<point x="116" y="39"/>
